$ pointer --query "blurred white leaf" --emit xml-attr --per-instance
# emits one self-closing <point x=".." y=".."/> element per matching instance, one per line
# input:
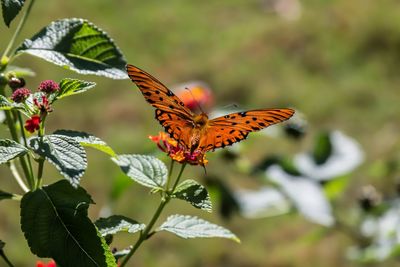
<point x="346" y="156"/>
<point x="306" y="194"/>
<point x="265" y="202"/>
<point x="384" y="231"/>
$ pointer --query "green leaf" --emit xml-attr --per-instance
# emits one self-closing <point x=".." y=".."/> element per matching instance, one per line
<point x="64" y="152"/>
<point x="11" y="8"/>
<point x="145" y="170"/>
<point x="6" y="104"/>
<point x="322" y="148"/>
<point x="78" y="45"/>
<point x="55" y="223"/>
<point x="87" y="140"/>
<point x="118" y="223"/>
<point x="5" y="195"/>
<point x="20" y="72"/>
<point x="73" y="86"/>
<point x="192" y="227"/>
<point x="10" y="149"/>
<point x="194" y="193"/>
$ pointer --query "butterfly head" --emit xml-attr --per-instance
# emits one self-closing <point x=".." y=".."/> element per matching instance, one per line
<point x="200" y="120"/>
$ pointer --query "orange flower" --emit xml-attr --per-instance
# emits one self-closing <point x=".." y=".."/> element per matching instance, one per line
<point x="195" y="95"/>
<point x="177" y="151"/>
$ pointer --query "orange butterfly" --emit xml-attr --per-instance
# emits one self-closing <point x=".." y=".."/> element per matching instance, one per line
<point x="196" y="131"/>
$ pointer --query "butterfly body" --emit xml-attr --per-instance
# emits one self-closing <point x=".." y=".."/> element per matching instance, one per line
<point x="197" y="131"/>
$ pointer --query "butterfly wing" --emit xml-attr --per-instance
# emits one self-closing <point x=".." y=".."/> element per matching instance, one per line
<point x="170" y="110"/>
<point x="226" y="130"/>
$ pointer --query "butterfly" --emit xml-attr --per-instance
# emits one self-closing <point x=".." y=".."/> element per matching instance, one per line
<point x="197" y="131"/>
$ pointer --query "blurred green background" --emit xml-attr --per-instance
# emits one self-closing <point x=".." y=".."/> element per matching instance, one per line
<point x="335" y="61"/>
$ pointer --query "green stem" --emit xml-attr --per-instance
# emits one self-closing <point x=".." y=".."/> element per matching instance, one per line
<point x="5" y="258"/>
<point x="21" y="126"/>
<point x="14" y="135"/>
<point x="41" y="160"/>
<point x="18" y="30"/>
<point x="145" y="234"/>
<point x="171" y="168"/>
<point x="177" y="179"/>
<point x="40" y="173"/>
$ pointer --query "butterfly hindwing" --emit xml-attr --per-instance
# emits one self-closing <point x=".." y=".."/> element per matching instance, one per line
<point x="226" y="130"/>
<point x="177" y="127"/>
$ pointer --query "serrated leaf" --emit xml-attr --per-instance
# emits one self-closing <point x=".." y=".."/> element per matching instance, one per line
<point x="78" y="45"/>
<point x="5" y="195"/>
<point x="194" y="193"/>
<point x="88" y="140"/>
<point x="55" y="223"/>
<point x="192" y="227"/>
<point x="11" y="8"/>
<point x="6" y="104"/>
<point x="145" y="170"/>
<point x="64" y="152"/>
<point x="118" y="223"/>
<point x="110" y="259"/>
<point x="70" y="86"/>
<point x="10" y="149"/>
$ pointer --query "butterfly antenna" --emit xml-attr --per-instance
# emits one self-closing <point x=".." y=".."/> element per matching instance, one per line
<point x="195" y="100"/>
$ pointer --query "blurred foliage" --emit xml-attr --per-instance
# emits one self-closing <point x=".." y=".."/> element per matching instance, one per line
<point x="337" y="63"/>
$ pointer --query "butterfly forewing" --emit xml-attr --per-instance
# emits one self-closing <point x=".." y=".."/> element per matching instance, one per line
<point x="157" y="94"/>
<point x="226" y="130"/>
